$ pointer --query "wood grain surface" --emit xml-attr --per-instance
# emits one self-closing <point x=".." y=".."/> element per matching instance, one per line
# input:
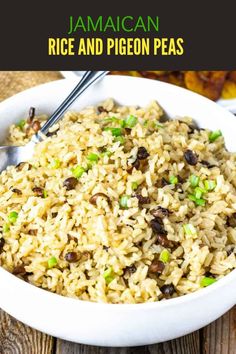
<point x="217" y="338"/>
<point x="16" y="338"/>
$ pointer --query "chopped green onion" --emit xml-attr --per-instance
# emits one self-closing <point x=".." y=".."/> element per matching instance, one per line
<point x="214" y="135"/>
<point x="55" y="164"/>
<point x="194" y="180"/>
<point x="112" y="119"/>
<point x="21" y="124"/>
<point x="159" y="125"/>
<point x="108" y="275"/>
<point x="122" y="123"/>
<point x="89" y="166"/>
<point x="5" y="228"/>
<point x="145" y="123"/>
<point x="114" y="131"/>
<point x="106" y="153"/>
<point x="173" y="180"/>
<point x="52" y="262"/>
<point x="165" y="256"/>
<point x="45" y="193"/>
<point x="192" y="197"/>
<point x="200" y="201"/>
<point x="206" y="281"/>
<point x="93" y="157"/>
<point x="130" y="121"/>
<point x="77" y="171"/>
<point x="123" y="201"/>
<point x="12" y="217"/>
<point x="189" y="229"/>
<point x="121" y="139"/>
<point x="209" y="184"/>
<point x="198" y="192"/>
<point x="134" y="186"/>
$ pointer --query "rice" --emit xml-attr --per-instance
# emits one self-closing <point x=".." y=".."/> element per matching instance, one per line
<point x="105" y="250"/>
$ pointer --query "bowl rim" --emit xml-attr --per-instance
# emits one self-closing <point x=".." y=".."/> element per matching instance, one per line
<point x="20" y="283"/>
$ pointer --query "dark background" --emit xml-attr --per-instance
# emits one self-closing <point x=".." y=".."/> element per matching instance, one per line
<point x="207" y="27"/>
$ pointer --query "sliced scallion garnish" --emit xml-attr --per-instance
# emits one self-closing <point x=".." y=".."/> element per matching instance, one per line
<point x="206" y="281"/>
<point x="124" y="201"/>
<point x="194" y="180"/>
<point x="214" y="135"/>
<point x="189" y="230"/>
<point x="173" y="180"/>
<point x="165" y="256"/>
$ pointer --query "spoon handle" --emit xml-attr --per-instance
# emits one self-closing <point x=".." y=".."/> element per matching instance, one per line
<point x="89" y="78"/>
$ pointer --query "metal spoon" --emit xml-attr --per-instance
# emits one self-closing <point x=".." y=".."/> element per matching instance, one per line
<point x="13" y="155"/>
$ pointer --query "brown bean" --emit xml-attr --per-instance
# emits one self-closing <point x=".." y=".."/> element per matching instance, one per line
<point x="17" y="191"/>
<point x="231" y="221"/>
<point x="101" y="109"/>
<point x="127" y="131"/>
<point x="192" y="126"/>
<point x="93" y="199"/>
<point x="139" y="165"/>
<point x="163" y="241"/>
<point x="38" y="191"/>
<point x="142" y="153"/>
<point x="191" y="157"/>
<point x="19" y="270"/>
<point x="143" y="166"/>
<point x="130" y="269"/>
<point x="168" y="290"/>
<point x="160" y="212"/>
<point x="33" y="232"/>
<point x="162" y="183"/>
<point x="136" y="164"/>
<point x="191" y="129"/>
<point x="106" y="248"/>
<point x="36" y="126"/>
<point x="70" y="183"/>
<point x="207" y="164"/>
<point x="21" y="165"/>
<point x="156" y="267"/>
<point x="142" y="200"/>
<point x="180" y="179"/>
<point x="72" y="257"/>
<point x="158" y="226"/>
<point x="230" y="250"/>
<point x="2" y="243"/>
<point x="209" y="274"/>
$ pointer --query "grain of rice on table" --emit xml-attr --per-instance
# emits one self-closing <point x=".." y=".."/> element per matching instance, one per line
<point x="135" y="222"/>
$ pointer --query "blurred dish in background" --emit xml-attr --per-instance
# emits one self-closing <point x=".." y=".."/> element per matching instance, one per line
<point x="218" y="86"/>
<point x="211" y="84"/>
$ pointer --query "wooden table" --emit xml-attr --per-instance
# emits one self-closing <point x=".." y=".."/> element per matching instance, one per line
<point x="16" y="338"/>
<point x="217" y="338"/>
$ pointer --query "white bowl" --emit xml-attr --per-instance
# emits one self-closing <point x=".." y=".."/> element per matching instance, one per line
<point x="106" y="324"/>
<point x="229" y="104"/>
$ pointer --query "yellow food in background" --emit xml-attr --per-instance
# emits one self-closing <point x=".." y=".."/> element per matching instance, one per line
<point x="211" y="84"/>
<point x="206" y="83"/>
<point x="229" y="89"/>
